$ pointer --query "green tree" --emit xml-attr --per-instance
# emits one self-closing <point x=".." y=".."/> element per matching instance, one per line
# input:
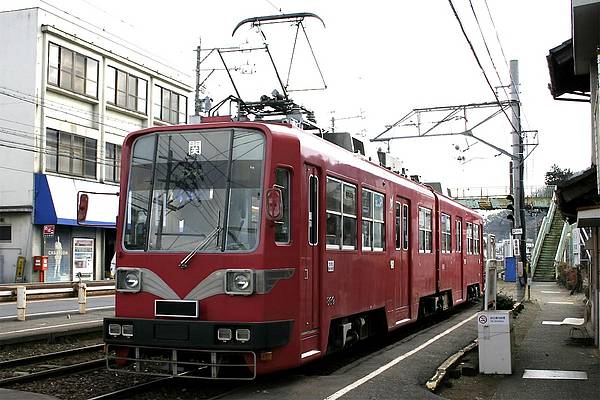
<point x="557" y="175"/>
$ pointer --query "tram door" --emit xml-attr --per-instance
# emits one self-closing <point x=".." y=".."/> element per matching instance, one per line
<point x="458" y="232"/>
<point x="309" y="268"/>
<point x="402" y="260"/>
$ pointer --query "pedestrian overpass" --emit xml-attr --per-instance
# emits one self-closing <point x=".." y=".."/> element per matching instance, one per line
<point x="495" y="198"/>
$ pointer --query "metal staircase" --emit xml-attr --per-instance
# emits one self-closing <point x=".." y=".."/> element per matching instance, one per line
<point x="548" y="249"/>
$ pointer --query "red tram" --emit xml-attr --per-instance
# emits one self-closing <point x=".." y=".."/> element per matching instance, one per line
<point x="246" y="248"/>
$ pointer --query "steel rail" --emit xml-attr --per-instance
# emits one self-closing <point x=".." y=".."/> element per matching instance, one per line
<point x="135" y="389"/>
<point x="62" y="370"/>
<point x="48" y="356"/>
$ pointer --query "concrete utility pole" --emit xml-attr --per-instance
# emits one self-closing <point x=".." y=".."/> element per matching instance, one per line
<point x="518" y="164"/>
<point x="197" y="102"/>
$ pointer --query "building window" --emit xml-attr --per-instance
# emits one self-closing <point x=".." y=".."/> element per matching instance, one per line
<point x="70" y="154"/>
<point x="469" y="238"/>
<point x="282" y="230"/>
<point x="446" y="229"/>
<point x="425" y="230"/>
<point x="475" y="239"/>
<point x="458" y="234"/>
<point x="126" y="90"/>
<point x="5" y="233"/>
<point x="341" y="215"/>
<point x="112" y="162"/>
<point x="170" y="106"/>
<point x="72" y="71"/>
<point x="373" y="223"/>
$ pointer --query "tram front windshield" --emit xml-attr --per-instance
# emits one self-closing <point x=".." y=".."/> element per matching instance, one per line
<point x="190" y="187"/>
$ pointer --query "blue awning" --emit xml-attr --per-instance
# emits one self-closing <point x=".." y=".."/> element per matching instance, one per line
<point x="56" y="201"/>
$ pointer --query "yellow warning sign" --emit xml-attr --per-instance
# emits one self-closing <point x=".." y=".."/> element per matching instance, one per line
<point x="20" y="271"/>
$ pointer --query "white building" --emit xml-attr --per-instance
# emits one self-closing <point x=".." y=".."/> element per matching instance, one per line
<point x="68" y="97"/>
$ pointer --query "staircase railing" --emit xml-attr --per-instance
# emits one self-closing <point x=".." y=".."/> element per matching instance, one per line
<point x="561" y="247"/>
<point x="544" y="229"/>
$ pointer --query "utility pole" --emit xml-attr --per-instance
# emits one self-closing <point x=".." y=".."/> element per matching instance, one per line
<point x="197" y="103"/>
<point x="518" y="173"/>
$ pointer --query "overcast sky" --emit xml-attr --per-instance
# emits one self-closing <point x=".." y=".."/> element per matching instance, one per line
<point x="380" y="59"/>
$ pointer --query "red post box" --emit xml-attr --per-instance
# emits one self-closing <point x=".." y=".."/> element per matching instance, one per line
<point x="40" y="264"/>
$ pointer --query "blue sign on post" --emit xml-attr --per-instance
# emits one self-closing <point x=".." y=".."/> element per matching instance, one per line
<point x="510" y="269"/>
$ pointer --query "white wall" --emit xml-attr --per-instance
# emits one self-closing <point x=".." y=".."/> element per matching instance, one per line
<point x="17" y="76"/>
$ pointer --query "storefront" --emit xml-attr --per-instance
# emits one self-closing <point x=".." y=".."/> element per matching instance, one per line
<point x="74" y="250"/>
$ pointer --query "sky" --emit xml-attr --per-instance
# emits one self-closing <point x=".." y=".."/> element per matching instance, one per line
<point x="379" y="62"/>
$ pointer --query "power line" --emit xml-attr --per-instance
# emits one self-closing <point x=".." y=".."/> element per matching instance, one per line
<point x="42" y="103"/>
<point x="488" y="50"/>
<point x="498" y="39"/>
<point x="33" y="149"/>
<point x="274" y="6"/>
<point x="144" y="53"/>
<point x="58" y="106"/>
<point x="462" y="28"/>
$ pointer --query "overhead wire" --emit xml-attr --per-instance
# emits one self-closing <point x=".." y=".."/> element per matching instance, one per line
<point x="487" y="48"/>
<point x="504" y="57"/>
<point x="33" y="149"/>
<point x="132" y="46"/>
<point x="45" y="103"/>
<point x="517" y="93"/>
<point x="466" y="36"/>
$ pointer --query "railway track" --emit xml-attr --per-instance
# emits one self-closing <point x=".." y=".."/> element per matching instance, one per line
<point x="38" y="369"/>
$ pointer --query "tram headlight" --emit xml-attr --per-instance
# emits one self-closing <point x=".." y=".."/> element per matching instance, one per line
<point x="239" y="281"/>
<point x="129" y="280"/>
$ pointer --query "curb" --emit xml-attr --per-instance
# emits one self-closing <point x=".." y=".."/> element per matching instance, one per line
<point x="434" y="382"/>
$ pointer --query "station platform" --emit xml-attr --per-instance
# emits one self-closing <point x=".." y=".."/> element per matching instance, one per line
<point x="49" y="319"/>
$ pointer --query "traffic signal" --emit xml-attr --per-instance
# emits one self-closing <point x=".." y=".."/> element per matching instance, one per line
<point x="511" y="208"/>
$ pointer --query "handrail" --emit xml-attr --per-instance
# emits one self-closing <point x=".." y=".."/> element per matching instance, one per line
<point x="10" y="291"/>
<point x="561" y="246"/>
<point x="544" y="229"/>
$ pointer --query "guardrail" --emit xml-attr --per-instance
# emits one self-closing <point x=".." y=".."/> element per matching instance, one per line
<point x="64" y="289"/>
<point x="561" y="247"/>
<point x="544" y="229"/>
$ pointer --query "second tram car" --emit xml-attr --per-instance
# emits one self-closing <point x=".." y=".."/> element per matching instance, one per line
<point x="246" y="248"/>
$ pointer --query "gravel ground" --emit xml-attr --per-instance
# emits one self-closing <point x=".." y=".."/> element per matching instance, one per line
<point x="81" y="386"/>
<point x="13" y="351"/>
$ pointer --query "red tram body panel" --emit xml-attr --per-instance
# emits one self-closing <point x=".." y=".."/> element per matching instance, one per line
<point x="208" y="286"/>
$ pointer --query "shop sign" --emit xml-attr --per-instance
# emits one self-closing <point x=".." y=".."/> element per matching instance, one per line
<point x="83" y="258"/>
<point x="48" y="230"/>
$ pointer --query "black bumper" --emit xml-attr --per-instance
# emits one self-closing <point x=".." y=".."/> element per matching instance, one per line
<point x="199" y="334"/>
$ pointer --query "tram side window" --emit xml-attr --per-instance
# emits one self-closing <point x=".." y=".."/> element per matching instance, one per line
<point x="373" y="222"/>
<point x="475" y="239"/>
<point x="446" y="230"/>
<point x="425" y="230"/>
<point x="313" y="210"/>
<point x="458" y="236"/>
<point x="341" y="215"/>
<point x="405" y="226"/>
<point x="398" y="228"/>
<point x="401" y="228"/>
<point x="282" y="230"/>
<point x="469" y="238"/>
